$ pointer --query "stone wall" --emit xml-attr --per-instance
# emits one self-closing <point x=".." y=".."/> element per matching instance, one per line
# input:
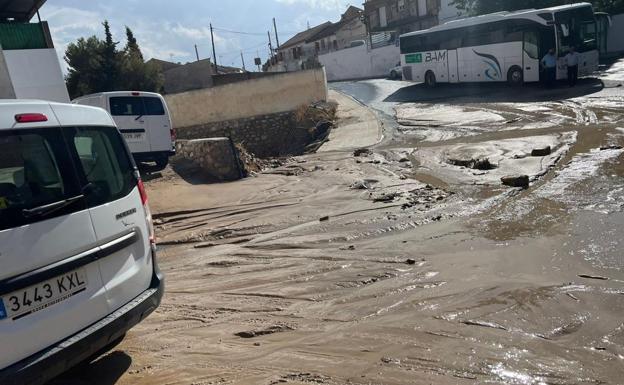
<point x="217" y="158"/>
<point x="265" y="136"/>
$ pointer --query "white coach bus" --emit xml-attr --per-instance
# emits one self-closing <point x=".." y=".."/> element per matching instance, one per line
<point x="499" y="47"/>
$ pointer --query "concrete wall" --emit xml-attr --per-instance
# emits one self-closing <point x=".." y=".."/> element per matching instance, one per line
<point x="448" y="12"/>
<point x="360" y="62"/>
<point x="6" y="86"/>
<point x="191" y="76"/>
<point x="275" y="94"/>
<point x="221" y="80"/>
<point x="36" y="74"/>
<point x="217" y="158"/>
<point x="615" y="36"/>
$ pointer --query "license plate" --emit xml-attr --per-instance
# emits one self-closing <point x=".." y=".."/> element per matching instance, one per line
<point x="22" y="303"/>
<point x="134" y="137"/>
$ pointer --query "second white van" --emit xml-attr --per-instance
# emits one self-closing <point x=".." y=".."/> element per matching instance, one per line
<point x="144" y="121"/>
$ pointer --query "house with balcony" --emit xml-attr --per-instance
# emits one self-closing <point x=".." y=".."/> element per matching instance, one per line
<point x="29" y="64"/>
<point x="303" y="49"/>
<point x="387" y="19"/>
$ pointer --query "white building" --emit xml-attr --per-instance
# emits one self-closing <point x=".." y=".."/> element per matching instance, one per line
<point x="29" y="64"/>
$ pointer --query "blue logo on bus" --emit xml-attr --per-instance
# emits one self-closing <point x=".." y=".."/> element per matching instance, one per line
<point x="3" y="313"/>
<point x="494" y="72"/>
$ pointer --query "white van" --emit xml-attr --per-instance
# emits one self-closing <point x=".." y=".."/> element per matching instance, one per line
<point x="77" y="249"/>
<point x="144" y="121"/>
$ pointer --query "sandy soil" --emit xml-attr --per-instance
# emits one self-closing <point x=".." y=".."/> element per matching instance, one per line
<point x="337" y="269"/>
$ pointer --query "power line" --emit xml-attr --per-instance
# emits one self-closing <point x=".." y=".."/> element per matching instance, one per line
<point x="251" y="33"/>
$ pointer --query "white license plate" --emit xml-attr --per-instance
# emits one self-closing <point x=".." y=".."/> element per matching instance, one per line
<point x="35" y="298"/>
<point x="134" y="137"/>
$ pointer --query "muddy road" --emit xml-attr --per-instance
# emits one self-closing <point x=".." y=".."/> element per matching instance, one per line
<point x="406" y="264"/>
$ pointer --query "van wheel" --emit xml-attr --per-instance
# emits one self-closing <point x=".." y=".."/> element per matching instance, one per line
<point x="515" y="76"/>
<point x="394" y="75"/>
<point x="430" y="79"/>
<point x="161" y="163"/>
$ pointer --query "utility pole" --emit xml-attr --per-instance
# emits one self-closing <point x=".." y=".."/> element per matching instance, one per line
<point x="276" y="35"/>
<point x="214" y="52"/>
<point x="270" y="44"/>
<point x="258" y="56"/>
<point x="243" y="60"/>
<point x="196" y="52"/>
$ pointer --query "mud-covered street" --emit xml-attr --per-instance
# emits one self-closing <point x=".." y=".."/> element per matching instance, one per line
<point x="407" y="262"/>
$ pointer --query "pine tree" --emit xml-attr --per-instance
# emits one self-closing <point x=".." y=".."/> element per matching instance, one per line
<point x="97" y="66"/>
<point x="110" y="61"/>
<point x="132" y="47"/>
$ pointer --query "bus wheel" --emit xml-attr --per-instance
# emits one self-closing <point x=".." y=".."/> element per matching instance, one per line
<point x="515" y="77"/>
<point x="430" y="79"/>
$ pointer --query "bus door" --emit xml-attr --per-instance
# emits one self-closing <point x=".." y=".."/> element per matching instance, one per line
<point x="453" y="70"/>
<point x="530" y="56"/>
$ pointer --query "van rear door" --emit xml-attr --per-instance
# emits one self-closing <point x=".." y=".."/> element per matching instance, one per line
<point x="50" y="282"/>
<point x="129" y="114"/>
<point x="158" y="124"/>
<point x="117" y="212"/>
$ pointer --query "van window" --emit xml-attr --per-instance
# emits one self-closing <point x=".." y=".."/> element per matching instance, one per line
<point x="35" y="170"/>
<point x="105" y="164"/>
<point x="127" y="106"/>
<point x="136" y="106"/>
<point x="153" y="106"/>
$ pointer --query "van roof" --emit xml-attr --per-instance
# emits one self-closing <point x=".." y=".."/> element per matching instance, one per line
<point x="57" y="114"/>
<point x="120" y="93"/>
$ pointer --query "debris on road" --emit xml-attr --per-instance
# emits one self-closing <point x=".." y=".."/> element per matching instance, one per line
<point x="516" y="181"/>
<point x="362" y="152"/>
<point x="264" y="332"/>
<point x="542" y="151"/>
<point x="589" y="276"/>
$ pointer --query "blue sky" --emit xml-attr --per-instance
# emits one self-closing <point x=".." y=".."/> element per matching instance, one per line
<point x="169" y="30"/>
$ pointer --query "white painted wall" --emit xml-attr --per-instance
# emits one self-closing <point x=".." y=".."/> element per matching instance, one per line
<point x="448" y="12"/>
<point x="360" y="62"/>
<point x="263" y="96"/>
<point x="615" y="37"/>
<point x="36" y="74"/>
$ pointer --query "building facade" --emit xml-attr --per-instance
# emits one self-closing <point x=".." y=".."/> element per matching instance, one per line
<point x="394" y="17"/>
<point x="302" y="51"/>
<point x="29" y="64"/>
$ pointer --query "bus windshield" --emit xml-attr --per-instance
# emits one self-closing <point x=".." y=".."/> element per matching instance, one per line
<point x="576" y="27"/>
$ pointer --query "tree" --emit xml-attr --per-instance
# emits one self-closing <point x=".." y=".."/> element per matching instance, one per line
<point x="136" y="74"/>
<point x="85" y="66"/>
<point x="110" y="60"/>
<point x="98" y="66"/>
<point x="132" y="47"/>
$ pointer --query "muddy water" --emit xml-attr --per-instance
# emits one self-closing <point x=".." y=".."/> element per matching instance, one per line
<point x="303" y="276"/>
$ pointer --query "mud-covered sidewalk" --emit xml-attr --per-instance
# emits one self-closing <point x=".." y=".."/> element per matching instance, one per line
<point x="391" y="265"/>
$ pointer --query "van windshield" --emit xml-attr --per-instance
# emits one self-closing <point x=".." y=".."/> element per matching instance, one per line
<point x="35" y="171"/>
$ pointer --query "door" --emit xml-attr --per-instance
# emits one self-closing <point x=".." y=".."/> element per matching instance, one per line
<point x="383" y="20"/>
<point x="531" y="56"/>
<point x="116" y="211"/>
<point x="452" y="59"/>
<point x="129" y="115"/>
<point x="44" y="222"/>
<point x="158" y="124"/>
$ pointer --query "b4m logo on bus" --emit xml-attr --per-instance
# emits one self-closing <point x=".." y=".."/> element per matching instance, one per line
<point x="413" y="58"/>
<point x="494" y="72"/>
